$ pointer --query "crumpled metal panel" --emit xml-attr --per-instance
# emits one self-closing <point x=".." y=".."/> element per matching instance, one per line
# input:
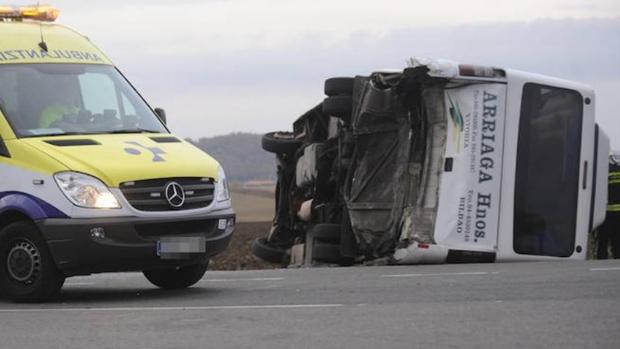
<point x="399" y="128"/>
<point x="419" y="216"/>
<point x="374" y="194"/>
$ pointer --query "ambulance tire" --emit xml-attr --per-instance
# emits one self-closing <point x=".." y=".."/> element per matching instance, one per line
<point x="338" y="106"/>
<point x="280" y="142"/>
<point x="27" y="270"/>
<point x="176" y="278"/>
<point x="339" y="86"/>
<point x="326" y="232"/>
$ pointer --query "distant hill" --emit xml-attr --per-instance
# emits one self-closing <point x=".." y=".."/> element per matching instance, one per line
<point x="241" y="156"/>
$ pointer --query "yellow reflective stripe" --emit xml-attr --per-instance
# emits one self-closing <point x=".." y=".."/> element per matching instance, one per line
<point x="613" y="208"/>
<point x="614" y="177"/>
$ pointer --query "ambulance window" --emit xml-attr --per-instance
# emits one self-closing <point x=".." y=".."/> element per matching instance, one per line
<point x="547" y="174"/>
<point x="56" y="99"/>
<point x="127" y="106"/>
<point x="98" y="93"/>
<point x="8" y="91"/>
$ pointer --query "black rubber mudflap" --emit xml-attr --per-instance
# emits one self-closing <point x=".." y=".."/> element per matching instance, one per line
<point x="458" y="256"/>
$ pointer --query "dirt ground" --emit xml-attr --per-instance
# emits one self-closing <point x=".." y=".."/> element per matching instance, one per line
<point x="254" y="208"/>
<point x="238" y="256"/>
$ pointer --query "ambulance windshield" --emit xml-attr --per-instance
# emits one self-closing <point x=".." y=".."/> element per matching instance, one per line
<point x="61" y="99"/>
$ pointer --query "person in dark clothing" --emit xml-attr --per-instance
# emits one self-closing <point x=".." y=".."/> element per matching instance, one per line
<point x="609" y="231"/>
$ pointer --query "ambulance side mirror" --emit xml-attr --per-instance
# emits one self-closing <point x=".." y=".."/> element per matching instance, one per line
<point x="161" y="114"/>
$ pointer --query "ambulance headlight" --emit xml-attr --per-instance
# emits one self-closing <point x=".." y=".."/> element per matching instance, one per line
<point x="85" y="191"/>
<point x="221" y="187"/>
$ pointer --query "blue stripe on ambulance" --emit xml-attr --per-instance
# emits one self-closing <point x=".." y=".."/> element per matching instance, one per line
<point x="29" y="205"/>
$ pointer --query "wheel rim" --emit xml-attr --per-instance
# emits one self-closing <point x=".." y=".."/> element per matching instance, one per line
<point x="283" y="135"/>
<point x="23" y="262"/>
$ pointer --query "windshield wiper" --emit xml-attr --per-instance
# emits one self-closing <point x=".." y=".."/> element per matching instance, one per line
<point x="58" y="134"/>
<point x="135" y="130"/>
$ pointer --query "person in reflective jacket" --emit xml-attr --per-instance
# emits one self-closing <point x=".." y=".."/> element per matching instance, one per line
<point x="609" y="231"/>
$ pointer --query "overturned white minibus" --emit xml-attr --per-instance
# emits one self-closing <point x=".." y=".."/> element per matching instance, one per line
<point x="439" y="162"/>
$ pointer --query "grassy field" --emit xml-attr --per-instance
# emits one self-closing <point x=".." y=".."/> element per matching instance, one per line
<point x="252" y="208"/>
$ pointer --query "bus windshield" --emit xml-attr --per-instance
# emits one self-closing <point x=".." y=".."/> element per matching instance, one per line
<point x="61" y="99"/>
<point x="547" y="177"/>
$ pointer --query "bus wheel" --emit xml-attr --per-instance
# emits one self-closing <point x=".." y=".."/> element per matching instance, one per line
<point x="326" y="252"/>
<point x="338" y="106"/>
<point x="27" y="270"/>
<point x="339" y="86"/>
<point x="269" y="252"/>
<point x="176" y="278"/>
<point x="326" y="232"/>
<point x="280" y="142"/>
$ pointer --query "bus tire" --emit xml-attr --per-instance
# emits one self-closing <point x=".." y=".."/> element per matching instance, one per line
<point x="326" y="252"/>
<point x="338" y="106"/>
<point x="339" y="86"/>
<point x="326" y="232"/>
<point x="262" y="249"/>
<point x="280" y="142"/>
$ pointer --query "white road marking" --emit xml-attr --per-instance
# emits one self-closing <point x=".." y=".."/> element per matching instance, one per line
<point x="208" y="307"/>
<point x="604" y="269"/>
<point x="242" y="279"/>
<point x="434" y="274"/>
<point x="79" y="283"/>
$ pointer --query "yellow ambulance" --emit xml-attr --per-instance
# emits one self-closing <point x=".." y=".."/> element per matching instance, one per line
<point x="91" y="179"/>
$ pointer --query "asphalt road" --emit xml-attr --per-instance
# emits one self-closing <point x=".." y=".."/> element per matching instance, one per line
<point x="517" y="305"/>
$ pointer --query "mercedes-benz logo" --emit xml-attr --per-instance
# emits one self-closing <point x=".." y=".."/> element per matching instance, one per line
<point x="175" y="194"/>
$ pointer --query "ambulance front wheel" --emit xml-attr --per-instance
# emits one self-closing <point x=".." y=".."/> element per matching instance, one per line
<point x="176" y="278"/>
<point x="27" y="270"/>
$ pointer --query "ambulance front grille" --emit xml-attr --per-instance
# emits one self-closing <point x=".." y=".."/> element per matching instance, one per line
<point x="149" y="195"/>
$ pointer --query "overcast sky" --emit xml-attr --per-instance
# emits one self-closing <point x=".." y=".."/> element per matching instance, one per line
<point x="219" y="66"/>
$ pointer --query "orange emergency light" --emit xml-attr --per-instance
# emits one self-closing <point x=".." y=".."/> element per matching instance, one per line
<point x="43" y="13"/>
